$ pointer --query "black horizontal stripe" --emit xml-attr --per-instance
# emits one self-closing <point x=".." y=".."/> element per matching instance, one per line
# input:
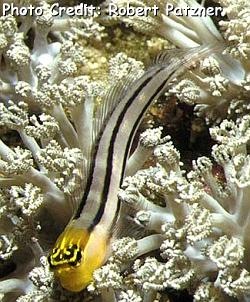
<point x="134" y="126"/>
<point x="109" y="163"/>
<point x="132" y="133"/>
<point x="109" y="159"/>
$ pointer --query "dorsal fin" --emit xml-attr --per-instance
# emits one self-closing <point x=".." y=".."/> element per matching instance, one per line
<point x="168" y="56"/>
<point x="110" y="100"/>
<point x="116" y="92"/>
<point x="75" y="197"/>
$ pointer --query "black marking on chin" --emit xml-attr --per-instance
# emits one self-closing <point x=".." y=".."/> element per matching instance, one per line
<point x="71" y="255"/>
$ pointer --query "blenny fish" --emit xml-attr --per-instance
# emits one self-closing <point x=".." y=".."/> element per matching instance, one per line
<point x="83" y="245"/>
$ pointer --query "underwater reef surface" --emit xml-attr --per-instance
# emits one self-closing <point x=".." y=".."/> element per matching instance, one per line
<point x="182" y="233"/>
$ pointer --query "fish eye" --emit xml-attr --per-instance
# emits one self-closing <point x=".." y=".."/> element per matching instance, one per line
<point x="77" y="259"/>
<point x="76" y="256"/>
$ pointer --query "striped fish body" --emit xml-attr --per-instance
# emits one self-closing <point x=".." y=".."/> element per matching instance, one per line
<point x="83" y="246"/>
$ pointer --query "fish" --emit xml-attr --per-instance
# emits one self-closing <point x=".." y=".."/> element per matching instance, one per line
<point x="84" y="244"/>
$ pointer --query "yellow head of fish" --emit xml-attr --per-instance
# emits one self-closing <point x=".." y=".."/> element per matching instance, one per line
<point x="77" y="253"/>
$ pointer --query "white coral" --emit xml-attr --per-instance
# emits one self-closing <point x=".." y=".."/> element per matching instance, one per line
<point x="201" y="232"/>
<point x="199" y="227"/>
<point x="29" y="199"/>
<point x="108" y="277"/>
